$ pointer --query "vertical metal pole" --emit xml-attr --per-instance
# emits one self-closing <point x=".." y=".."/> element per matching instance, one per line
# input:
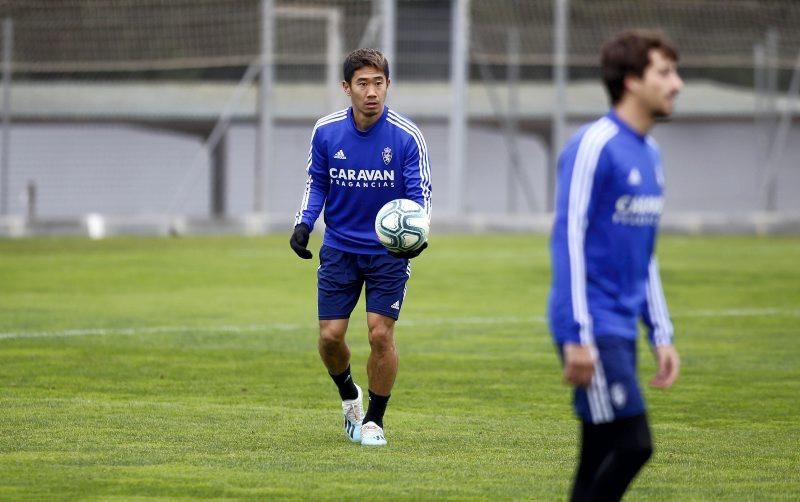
<point x="771" y="80"/>
<point x="8" y="41"/>
<point x="779" y="143"/>
<point x="771" y="114"/>
<point x="560" y="52"/>
<point x="219" y="178"/>
<point x="512" y="76"/>
<point x="266" y="115"/>
<point x="459" y="68"/>
<point x="31" y="191"/>
<point x="388" y="36"/>
<point x="760" y="104"/>
<point x="334" y="76"/>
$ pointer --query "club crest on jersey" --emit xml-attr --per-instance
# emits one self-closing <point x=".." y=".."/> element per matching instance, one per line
<point x="387" y="155"/>
<point x="635" y="177"/>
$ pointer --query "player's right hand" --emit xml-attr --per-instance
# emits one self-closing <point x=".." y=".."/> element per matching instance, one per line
<point x="578" y="364"/>
<point x="299" y="241"/>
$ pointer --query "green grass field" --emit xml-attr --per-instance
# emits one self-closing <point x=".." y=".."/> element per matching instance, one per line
<point x="146" y="367"/>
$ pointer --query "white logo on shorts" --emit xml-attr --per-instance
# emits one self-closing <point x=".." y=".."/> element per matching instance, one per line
<point x="618" y="395"/>
<point x="396" y="305"/>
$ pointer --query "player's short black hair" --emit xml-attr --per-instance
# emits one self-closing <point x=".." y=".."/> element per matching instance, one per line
<point x="360" y="58"/>
<point x="628" y="53"/>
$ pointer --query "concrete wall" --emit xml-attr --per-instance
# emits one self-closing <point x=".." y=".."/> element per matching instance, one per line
<point x="717" y="167"/>
<point x="130" y="171"/>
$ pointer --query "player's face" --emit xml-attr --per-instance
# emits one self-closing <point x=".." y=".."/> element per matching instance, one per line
<point x="367" y="91"/>
<point x="659" y="85"/>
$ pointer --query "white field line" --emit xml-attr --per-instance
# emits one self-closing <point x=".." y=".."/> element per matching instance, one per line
<point x="255" y="328"/>
<point x="456" y="321"/>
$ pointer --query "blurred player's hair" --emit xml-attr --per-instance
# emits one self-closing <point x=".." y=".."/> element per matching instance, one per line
<point x="360" y="58"/>
<point x="628" y="53"/>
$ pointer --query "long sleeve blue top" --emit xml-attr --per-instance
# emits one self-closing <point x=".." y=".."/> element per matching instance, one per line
<point x="608" y="204"/>
<point x="353" y="173"/>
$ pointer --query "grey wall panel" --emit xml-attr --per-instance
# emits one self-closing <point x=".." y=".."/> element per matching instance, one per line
<point x="108" y="169"/>
<point x="129" y="171"/>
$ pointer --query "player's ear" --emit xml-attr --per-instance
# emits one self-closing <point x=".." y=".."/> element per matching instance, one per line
<point x="388" y="82"/>
<point x="632" y="83"/>
<point x="346" y="87"/>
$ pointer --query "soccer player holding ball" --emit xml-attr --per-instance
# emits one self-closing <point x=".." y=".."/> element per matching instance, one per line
<point x="605" y="273"/>
<point x="361" y="158"/>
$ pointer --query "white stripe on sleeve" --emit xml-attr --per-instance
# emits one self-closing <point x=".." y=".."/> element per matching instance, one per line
<point x="657" y="306"/>
<point x="333" y="117"/>
<point x="580" y="191"/>
<point x="424" y="162"/>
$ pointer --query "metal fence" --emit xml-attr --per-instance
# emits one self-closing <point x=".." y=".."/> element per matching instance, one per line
<point x="145" y="107"/>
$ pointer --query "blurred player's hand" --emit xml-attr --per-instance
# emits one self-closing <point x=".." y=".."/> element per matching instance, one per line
<point x="578" y="364"/>
<point x="299" y="241"/>
<point x="410" y="254"/>
<point x="669" y="364"/>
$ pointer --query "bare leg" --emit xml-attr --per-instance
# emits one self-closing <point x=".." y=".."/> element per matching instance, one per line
<point x="333" y="349"/>
<point x="382" y="363"/>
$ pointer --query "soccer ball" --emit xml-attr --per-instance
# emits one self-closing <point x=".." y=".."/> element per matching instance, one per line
<point x="402" y="225"/>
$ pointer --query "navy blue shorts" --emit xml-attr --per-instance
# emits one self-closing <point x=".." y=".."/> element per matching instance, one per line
<point x="341" y="275"/>
<point x="614" y="392"/>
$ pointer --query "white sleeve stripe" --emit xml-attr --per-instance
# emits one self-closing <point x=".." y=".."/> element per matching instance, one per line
<point x="333" y="117"/>
<point x="424" y="162"/>
<point x="304" y="204"/>
<point x="657" y="306"/>
<point x="591" y="145"/>
<point x="662" y="324"/>
<point x="412" y="129"/>
<point x="425" y="169"/>
<point x="328" y="119"/>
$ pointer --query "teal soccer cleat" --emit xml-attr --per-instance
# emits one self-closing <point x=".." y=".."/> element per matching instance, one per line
<point x="372" y="435"/>
<point x="353" y="411"/>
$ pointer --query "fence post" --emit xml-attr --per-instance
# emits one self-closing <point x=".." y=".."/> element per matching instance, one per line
<point x="560" y="52"/>
<point x="459" y="77"/>
<point x="266" y="114"/>
<point x="8" y="42"/>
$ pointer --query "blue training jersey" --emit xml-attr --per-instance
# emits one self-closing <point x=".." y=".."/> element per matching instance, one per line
<point x="608" y="205"/>
<point x="354" y="173"/>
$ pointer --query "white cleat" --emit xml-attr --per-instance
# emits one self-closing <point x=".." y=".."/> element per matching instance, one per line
<point x="353" y="411"/>
<point x="372" y="435"/>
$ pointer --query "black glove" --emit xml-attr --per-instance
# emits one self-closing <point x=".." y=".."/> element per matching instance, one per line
<point x="410" y="254"/>
<point x="299" y="241"/>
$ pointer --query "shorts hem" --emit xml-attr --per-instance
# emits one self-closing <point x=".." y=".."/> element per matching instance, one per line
<point x="393" y="315"/>
<point x="332" y="317"/>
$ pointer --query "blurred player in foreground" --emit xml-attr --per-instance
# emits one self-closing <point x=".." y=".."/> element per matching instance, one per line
<point x="605" y="273"/>
<point x="361" y="158"/>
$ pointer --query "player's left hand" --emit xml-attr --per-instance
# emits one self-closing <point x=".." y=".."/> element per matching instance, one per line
<point x="669" y="363"/>
<point x="410" y="254"/>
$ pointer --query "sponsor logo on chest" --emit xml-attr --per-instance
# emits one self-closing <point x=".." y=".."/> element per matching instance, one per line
<point x="363" y="177"/>
<point x="638" y="210"/>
